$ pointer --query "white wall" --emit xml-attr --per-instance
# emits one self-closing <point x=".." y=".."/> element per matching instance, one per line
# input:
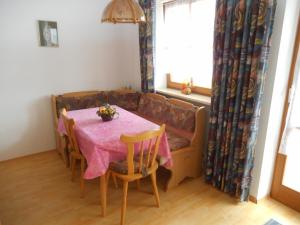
<point x="91" y="55"/>
<point x="274" y="95"/>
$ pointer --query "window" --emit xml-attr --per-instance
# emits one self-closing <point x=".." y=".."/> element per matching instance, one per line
<point x="185" y="41"/>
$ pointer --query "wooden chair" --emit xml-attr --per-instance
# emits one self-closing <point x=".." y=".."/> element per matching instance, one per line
<point x="136" y="167"/>
<point x="60" y="141"/>
<point x="75" y="153"/>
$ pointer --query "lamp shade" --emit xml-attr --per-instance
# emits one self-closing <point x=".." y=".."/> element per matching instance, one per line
<point x="123" y="11"/>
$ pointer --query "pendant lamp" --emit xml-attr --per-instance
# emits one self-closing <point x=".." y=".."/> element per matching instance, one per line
<point x="123" y="11"/>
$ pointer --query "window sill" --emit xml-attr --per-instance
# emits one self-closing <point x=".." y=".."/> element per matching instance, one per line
<point x="202" y="99"/>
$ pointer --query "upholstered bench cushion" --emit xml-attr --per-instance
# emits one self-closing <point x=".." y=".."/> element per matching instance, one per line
<point x="177" y="142"/>
<point x="125" y="100"/>
<point x="80" y="102"/>
<point x="181" y="118"/>
<point x="174" y="115"/>
<point x="153" y="108"/>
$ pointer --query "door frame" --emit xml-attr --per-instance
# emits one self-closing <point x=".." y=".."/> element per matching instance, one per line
<point x="280" y="192"/>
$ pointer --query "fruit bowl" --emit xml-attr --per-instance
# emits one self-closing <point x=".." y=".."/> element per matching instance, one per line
<point x="107" y="113"/>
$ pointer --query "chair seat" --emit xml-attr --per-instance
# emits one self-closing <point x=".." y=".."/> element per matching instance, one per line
<point x="177" y="142"/>
<point x="122" y="167"/>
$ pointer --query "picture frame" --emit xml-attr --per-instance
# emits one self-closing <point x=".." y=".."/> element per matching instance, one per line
<point x="48" y="33"/>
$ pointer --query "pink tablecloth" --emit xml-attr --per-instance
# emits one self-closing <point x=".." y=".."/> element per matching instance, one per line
<point x="100" y="141"/>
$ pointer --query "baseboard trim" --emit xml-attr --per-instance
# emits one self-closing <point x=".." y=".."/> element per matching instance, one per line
<point x="253" y="199"/>
<point x="24" y="156"/>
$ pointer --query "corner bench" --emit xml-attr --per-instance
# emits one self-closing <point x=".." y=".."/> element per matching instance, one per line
<point x="185" y="124"/>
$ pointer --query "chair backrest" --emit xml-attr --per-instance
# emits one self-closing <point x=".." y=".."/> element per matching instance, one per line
<point x="147" y="144"/>
<point x="69" y="126"/>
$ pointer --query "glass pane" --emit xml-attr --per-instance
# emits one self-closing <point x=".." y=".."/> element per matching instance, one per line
<point x="188" y="41"/>
<point x="202" y="39"/>
<point x="291" y="177"/>
<point x="177" y="40"/>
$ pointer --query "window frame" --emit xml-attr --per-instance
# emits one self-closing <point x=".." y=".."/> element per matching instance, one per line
<point x="195" y="89"/>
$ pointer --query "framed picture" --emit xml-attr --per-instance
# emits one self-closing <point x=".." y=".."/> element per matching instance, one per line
<point x="48" y="33"/>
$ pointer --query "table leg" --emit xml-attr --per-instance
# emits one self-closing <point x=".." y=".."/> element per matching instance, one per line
<point x="103" y="193"/>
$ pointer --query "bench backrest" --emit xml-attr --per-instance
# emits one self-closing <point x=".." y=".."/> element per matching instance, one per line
<point x="126" y="99"/>
<point x="173" y="112"/>
<point x="74" y="102"/>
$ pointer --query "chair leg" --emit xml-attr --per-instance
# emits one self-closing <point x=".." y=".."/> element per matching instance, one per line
<point x="115" y="181"/>
<point x="153" y="178"/>
<point x="66" y="156"/>
<point x="123" y="212"/>
<point x="107" y="179"/>
<point x="82" y="168"/>
<point x="103" y="190"/>
<point x="138" y="185"/>
<point x="73" y="167"/>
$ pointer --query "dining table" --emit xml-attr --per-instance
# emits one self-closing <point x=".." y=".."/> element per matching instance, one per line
<point x="100" y="144"/>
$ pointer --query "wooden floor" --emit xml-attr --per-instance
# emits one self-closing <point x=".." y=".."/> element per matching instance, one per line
<point x="36" y="190"/>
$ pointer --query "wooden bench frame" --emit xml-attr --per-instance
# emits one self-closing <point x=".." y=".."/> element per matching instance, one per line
<point x="187" y="162"/>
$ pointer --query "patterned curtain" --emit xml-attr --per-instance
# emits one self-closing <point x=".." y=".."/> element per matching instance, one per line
<point x="242" y="35"/>
<point x="146" y="33"/>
